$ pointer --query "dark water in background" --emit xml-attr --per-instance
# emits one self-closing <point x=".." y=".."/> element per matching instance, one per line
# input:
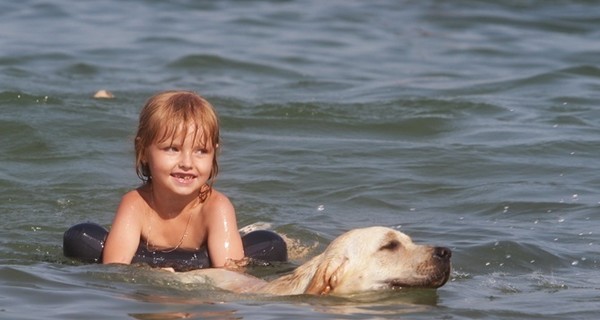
<point x="469" y="124"/>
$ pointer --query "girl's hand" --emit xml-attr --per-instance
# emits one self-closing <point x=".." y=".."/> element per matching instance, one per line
<point x="237" y="265"/>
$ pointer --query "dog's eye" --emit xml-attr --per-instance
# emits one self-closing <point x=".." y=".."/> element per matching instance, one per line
<point x="392" y="245"/>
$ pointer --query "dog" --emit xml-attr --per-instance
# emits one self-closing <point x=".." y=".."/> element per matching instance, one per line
<point x="360" y="260"/>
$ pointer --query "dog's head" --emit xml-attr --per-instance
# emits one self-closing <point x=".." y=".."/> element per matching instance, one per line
<point x="378" y="258"/>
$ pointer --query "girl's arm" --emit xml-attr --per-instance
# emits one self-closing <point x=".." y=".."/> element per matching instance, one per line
<point x="224" y="241"/>
<point x="124" y="236"/>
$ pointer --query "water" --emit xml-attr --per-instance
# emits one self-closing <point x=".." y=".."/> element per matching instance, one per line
<point x="468" y="124"/>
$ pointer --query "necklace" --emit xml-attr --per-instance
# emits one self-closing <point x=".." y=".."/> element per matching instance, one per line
<point x="150" y="228"/>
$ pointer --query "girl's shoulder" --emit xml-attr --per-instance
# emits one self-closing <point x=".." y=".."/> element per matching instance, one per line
<point x="137" y="198"/>
<point x="217" y="201"/>
<point x="136" y="194"/>
<point x="216" y="195"/>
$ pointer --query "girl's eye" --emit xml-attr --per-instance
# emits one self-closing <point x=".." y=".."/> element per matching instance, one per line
<point x="170" y="149"/>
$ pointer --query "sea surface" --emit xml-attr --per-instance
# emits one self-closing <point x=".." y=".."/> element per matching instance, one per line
<point x="469" y="124"/>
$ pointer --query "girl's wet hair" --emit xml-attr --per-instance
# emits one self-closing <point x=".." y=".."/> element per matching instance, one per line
<point x="169" y="113"/>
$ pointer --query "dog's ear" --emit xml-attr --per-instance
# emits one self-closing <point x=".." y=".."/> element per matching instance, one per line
<point x="327" y="276"/>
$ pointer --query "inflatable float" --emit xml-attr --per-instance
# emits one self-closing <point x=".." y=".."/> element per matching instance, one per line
<point x="85" y="242"/>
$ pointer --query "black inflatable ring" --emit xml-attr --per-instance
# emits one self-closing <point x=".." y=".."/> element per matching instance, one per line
<point x="85" y="242"/>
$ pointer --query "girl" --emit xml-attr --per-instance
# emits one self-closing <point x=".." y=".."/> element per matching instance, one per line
<point x="177" y="206"/>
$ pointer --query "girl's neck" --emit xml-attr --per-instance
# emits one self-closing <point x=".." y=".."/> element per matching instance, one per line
<point x="169" y="206"/>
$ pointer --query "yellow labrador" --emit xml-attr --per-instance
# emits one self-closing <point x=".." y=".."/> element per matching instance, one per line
<point x="374" y="258"/>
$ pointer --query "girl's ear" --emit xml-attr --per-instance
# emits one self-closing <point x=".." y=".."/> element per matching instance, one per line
<point x="146" y="169"/>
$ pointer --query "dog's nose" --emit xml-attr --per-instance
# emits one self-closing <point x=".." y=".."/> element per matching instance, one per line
<point x="442" y="253"/>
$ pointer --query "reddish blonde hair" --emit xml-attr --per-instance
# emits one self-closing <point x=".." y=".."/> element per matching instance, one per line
<point x="169" y="113"/>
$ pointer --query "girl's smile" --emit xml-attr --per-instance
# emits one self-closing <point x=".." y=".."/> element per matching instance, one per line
<point x="183" y="178"/>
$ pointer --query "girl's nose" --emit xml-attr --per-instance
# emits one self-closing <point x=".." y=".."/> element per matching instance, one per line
<point x="185" y="161"/>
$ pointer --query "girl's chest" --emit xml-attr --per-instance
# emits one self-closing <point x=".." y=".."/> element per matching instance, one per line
<point x="183" y="232"/>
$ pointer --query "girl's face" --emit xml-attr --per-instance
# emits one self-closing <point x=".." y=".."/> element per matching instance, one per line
<point x="181" y="165"/>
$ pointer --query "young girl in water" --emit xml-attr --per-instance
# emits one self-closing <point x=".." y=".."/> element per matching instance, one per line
<point x="177" y="206"/>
